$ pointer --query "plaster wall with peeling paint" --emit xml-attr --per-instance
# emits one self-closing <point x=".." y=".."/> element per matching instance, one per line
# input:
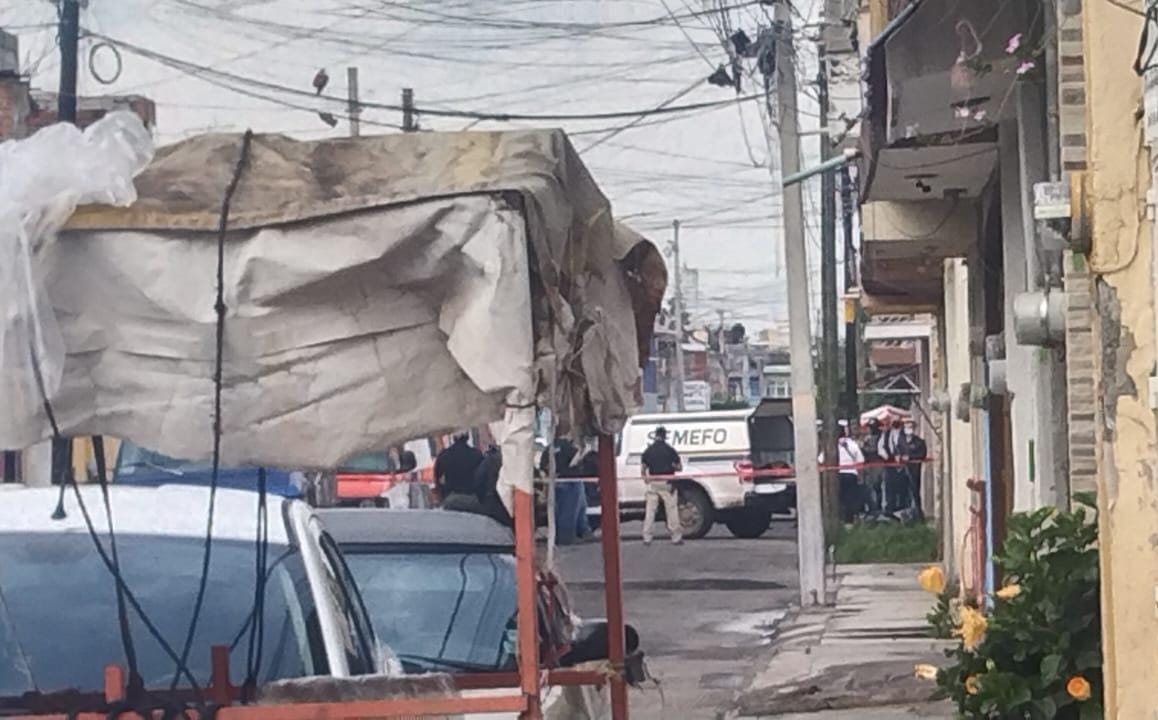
<point x="1116" y="185"/>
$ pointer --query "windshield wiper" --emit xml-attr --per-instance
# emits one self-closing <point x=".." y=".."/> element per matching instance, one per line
<point x="409" y="659"/>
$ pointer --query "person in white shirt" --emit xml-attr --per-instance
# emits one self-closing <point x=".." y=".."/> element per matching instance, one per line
<point x="851" y="459"/>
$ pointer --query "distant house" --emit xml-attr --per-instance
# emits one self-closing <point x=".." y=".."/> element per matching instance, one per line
<point x="24" y="110"/>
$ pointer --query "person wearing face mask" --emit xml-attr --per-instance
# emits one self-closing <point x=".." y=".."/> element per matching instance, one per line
<point x="916" y="450"/>
<point x="891" y="449"/>
<point x="871" y="476"/>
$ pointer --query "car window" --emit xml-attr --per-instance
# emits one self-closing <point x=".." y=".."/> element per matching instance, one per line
<point x="373" y="462"/>
<point x="440" y="612"/>
<point x="58" y="625"/>
<point x="360" y="643"/>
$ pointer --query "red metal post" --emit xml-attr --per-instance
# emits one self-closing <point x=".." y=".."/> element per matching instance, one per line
<point x="220" y="686"/>
<point x="612" y="573"/>
<point x="528" y="625"/>
<point x="114" y="678"/>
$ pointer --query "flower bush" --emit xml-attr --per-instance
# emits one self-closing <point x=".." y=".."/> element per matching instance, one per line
<point x="1035" y="652"/>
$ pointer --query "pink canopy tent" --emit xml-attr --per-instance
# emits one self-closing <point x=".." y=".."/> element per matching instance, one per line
<point x="885" y="414"/>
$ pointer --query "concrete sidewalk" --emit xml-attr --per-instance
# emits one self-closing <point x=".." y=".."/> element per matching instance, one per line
<point x="858" y="653"/>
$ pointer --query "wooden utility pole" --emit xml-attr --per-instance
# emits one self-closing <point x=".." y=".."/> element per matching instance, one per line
<point x="353" y="102"/>
<point x="679" y="317"/>
<point x="830" y="353"/>
<point x="780" y="82"/>
<point x="851" y="336"/>
<point x="408" y="121"/>
<point x="69" y="38"/>
<point x="69" y="31"/>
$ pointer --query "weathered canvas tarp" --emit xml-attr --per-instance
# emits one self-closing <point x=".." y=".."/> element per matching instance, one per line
<point x="378" y="289"/>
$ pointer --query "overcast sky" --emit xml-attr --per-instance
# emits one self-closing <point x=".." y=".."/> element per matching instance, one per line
<point x="706" y="168"/>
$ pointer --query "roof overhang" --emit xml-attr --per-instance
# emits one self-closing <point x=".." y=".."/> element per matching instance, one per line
<point x="899" y="330"/>
<point x="939" y="76"/>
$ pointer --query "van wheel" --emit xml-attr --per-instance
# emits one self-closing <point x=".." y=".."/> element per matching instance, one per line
<point x="697" y="514"/>
<point x="748" y="523"/>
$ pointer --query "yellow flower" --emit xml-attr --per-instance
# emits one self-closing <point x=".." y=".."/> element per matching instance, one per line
<point x="971" y="628"/>
<point x="1009" y="592"/>
<point x="972" y="684"/>
<point x="932" y="579"/>
<point x="1078" y="688"/>
<point x="925" y="672"/>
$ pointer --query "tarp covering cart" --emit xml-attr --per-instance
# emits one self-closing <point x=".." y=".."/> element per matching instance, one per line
<point x="377" y="289"/>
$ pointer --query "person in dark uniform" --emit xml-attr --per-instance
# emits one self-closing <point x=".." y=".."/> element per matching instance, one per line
<point x="660" y="461"/>
<point x="916" y="450"/>
<point x="454" y="468"/>
<point x="487" y="488"/>
<point x="872" y="475"/>
<point x="891" y="449"/>
<point x="570" y="505"/>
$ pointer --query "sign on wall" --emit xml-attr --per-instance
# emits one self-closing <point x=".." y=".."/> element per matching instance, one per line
<point x="697" y="396"/>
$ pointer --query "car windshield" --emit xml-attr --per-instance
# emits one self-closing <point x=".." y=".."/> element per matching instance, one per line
<point x="58" y="613"/>
<point x="440" y="612"/>
<point x="373" y="462"/>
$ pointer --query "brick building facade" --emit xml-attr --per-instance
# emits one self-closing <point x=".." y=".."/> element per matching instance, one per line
<point x="24" y="110"/>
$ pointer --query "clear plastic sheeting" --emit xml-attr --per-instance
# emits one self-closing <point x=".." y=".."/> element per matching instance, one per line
<point x="42" y="181"/>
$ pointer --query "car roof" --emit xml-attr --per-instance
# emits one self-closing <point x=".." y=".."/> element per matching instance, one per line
<point x="168" y="510"/>
<point x="432" y="528"/>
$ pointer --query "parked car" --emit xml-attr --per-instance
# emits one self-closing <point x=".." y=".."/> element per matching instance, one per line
<point x="717" y="485"/>
<point x="440" y="587"/>
<point x="139" y="466"/>
<point x="58" y="605"/>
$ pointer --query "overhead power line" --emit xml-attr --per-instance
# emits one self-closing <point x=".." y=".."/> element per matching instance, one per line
<point x="199" y="70"/>
<point x="515" y="24"/>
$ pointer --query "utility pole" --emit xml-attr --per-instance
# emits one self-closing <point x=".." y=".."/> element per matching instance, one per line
<point x="69" y="38"/>
<point x="831" y="351"/>
<point x="679" y="317"/>
<point x="851" y="371"/>
<point x="353" y="102"/>
<point x="780" y="79"/>
<point x="69" y="50"/>
<point x="408" y="123"/>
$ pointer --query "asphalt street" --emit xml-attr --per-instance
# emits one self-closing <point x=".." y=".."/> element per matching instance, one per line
<point x="705" y="610"/>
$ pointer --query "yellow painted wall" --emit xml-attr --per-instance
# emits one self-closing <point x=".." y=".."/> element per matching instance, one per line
<point x="84" y="461"/>
<point x="1116" y="184"/>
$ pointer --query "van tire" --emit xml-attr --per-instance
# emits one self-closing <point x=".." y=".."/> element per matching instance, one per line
<point x="697" y="514"/>
<point x="748" y="523"/>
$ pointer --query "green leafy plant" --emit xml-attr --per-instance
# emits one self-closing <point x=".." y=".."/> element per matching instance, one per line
<point x="942" y="618"/>
<point x="1036" y="653"/>
<point x="884" y="543"/>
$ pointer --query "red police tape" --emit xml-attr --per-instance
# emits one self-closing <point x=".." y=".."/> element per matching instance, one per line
<point x="745" y="473"/>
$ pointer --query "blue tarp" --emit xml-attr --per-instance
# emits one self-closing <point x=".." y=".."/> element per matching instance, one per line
<point x="138" y="466"/>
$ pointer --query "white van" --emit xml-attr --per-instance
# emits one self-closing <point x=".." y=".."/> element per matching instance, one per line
<point x="711" y="444"/>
